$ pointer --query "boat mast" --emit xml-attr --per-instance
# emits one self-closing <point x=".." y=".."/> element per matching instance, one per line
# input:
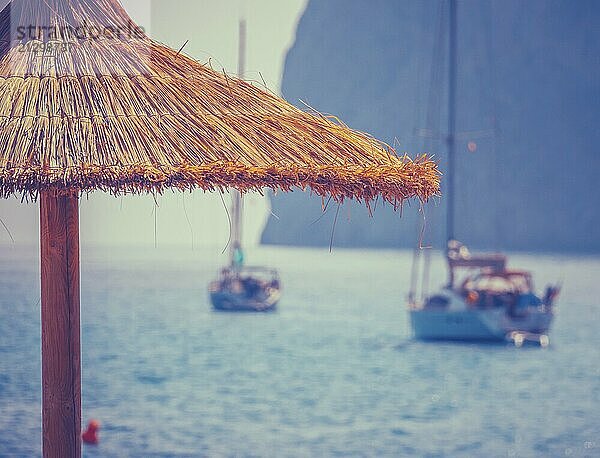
<point x="451" y="139"/>
<point x="236" y="254"/>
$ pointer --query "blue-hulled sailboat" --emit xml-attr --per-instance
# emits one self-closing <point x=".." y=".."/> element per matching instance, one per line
<point x="242" y="288"/>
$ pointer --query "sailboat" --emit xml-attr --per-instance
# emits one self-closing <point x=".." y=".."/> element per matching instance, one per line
<point x="483" y="298"/>
<point x="241" y="288"/>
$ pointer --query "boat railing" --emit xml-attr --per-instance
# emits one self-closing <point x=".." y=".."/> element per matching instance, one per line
<point x="459" y="257"/>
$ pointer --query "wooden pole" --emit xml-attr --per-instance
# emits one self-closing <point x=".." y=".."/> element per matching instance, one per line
<point x="61" y="354"/>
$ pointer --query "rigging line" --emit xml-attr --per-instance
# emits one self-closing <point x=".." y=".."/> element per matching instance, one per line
<point x="435" y="83"/>
<point x="423" y="228"/>
<point x="432" y="122"/>
<point x="155" y="211"/>
<point x="413" y="274"/>
<point x="155" y="241"/>
<point x="496" y="177"/>
<point x="228" y="219"/>
<point x="426" y="272"/>
<point x="421" y="70"/>
<point x="337" y="212"/>
<point x="188" y="220"/>
<point x="434" y="114"/>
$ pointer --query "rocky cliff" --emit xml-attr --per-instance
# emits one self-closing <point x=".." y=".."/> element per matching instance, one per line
<point x="528" y="107"/>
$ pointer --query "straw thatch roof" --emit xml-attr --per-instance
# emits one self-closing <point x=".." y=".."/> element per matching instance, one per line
<point x="88" y="101"/>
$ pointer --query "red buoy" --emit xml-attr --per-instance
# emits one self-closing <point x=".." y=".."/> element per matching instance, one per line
<point x="90" y="436"/>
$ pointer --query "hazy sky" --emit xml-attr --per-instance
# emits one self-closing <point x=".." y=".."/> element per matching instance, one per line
<point x="211" y="26"/>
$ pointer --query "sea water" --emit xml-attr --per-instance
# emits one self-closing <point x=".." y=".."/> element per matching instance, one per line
<point x="334" y="372"/>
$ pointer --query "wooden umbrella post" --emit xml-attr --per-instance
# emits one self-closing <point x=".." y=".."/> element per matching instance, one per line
<point x="61" y="354"/>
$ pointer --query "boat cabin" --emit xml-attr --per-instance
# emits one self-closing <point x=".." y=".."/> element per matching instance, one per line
<point x="488" y="283"/>
<point x="459" y="257"/>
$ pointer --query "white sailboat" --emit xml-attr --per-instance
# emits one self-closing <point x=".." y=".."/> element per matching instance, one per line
<point x="483" y="299"/>
<point x="243" y="288"/>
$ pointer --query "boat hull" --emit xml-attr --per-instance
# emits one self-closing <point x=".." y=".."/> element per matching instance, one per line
<point x="225" y="301"/>
<point x="246" y="289"/>
<point x="475" y="325"/>
<point x="456" y="325"/>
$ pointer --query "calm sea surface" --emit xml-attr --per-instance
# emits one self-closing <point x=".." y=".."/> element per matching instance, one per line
<point x="333" y="373"/>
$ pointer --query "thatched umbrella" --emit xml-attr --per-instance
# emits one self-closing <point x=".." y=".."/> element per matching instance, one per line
<point x="89" y="102"/>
